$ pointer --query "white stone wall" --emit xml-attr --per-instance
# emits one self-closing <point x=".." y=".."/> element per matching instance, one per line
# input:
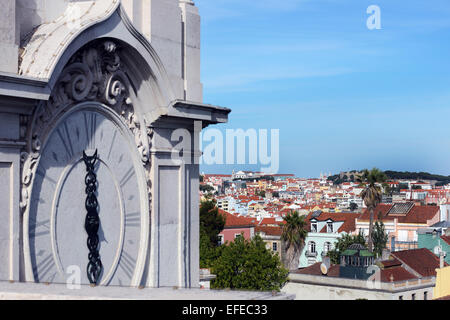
<point x="31" y="13"/>
<point x="173" y="29"/>
<point x="8" y="37"/>
<point x="308" y="287"/>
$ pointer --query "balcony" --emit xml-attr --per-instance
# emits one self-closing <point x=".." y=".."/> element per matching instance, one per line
<point x="310" y="254"/>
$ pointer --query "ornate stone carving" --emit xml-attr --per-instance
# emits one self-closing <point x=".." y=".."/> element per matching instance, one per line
<point x="93" y="74"/>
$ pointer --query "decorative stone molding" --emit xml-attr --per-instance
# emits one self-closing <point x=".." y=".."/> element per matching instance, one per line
<point x="93" y="74"/>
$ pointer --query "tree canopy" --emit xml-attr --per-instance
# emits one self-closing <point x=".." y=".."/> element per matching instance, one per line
<point x="211" y="224"/>
<point x="293" y="235"/>
<point x="372" y="194"/>
<point x="379" y="237"/>
<point x="206" y="188"/>
<point x="342" y="244"/>
<point x="248" y="265"/>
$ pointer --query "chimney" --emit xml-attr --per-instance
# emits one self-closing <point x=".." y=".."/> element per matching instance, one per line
<point x="441" y="259"/>
<point x="385" y="254"/>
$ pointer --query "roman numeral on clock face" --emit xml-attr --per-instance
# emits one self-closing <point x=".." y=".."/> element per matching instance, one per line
<point x="90" y="123"/>
<point x="43" y="267"/>
<point x="39" y="229"/>
<point x="127" y="264"/>
<point x="127" y="177"/>
<point x="133" y="219"/>
<point x="63" y="134"/>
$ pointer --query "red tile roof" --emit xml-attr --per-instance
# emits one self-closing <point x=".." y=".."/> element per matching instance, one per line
<point x="348" y="219"/>
<point x="390" y="263"/>
<point x="270" y="231"/>
<point x="417" y="214"/>
<point x="446" y="239"/>
<point x="233" y="221"/>
<point x="314" y="270"/>
<point x="271" y="222"/>
<point x="422" y="261"/>
<point x="395" y="274"/>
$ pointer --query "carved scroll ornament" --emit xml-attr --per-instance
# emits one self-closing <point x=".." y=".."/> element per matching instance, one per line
<point x="93" y="74"/>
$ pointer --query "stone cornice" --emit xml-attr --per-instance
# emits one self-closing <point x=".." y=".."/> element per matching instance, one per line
<point x="14" y="85"/>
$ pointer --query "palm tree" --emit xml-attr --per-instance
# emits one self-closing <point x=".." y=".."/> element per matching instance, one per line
<point x="372" y="195"/>
<point x="293" y="235"/>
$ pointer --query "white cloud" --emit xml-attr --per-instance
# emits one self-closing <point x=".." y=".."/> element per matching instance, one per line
<point x="237" y="80"/>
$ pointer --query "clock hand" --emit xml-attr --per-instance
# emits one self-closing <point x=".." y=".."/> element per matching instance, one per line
<point x="92" y="222"/>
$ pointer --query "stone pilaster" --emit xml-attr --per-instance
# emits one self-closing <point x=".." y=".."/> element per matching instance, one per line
<point x="193" y="87"/>
<point x="8" y="37"/>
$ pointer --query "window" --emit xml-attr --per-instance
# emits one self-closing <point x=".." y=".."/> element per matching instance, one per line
<point x="402" y="235"/>
<point x="400" y="298"/>
<point x="425" y="295"/>
<point x="221" y="239"/>
<point x="274" y="246"/>
<point x="312" y="247"/>
<point x="330" y="227"/>
<point x="326" y="247"/>
<point x="413" y="296"/>
<point x="314" y="227"/>
<point x="237" y="235"/>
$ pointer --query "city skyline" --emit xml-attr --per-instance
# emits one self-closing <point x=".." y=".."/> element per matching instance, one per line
<point x="344" y="97"/>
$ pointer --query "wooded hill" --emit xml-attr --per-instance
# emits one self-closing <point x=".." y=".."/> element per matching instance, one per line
<point x="397" y="175"/>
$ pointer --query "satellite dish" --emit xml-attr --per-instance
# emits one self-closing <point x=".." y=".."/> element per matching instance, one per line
<point x="325" y="266"/>
<point x="437" y="250"/>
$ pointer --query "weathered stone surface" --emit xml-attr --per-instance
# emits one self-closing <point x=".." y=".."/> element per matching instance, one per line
<point x="8" y="37"/>
<point x="24" y="291"/>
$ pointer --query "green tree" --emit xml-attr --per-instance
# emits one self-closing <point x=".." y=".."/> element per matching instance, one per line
<point x="208" y="252"/>
<point x="293" y="237"/>
<point x="342" y="244"/>
<point x="387" y="190"/>
<point x="248" y="265"/>
<point x="206" y="188"/>
<point x="353" y="206"/>
<point x="211" y="224"/>
<point x="380" y="238"/>
<point x="402" y="186"/>
<point x="372" y="195"/>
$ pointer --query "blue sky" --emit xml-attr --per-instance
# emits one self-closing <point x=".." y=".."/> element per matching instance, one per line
<point x="343" y="96"/>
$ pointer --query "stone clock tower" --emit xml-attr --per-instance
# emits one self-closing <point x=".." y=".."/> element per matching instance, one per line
<point x="90" y="95"/>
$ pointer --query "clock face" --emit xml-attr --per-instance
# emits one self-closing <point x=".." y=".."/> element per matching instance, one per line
<point x="57" y="238"/>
